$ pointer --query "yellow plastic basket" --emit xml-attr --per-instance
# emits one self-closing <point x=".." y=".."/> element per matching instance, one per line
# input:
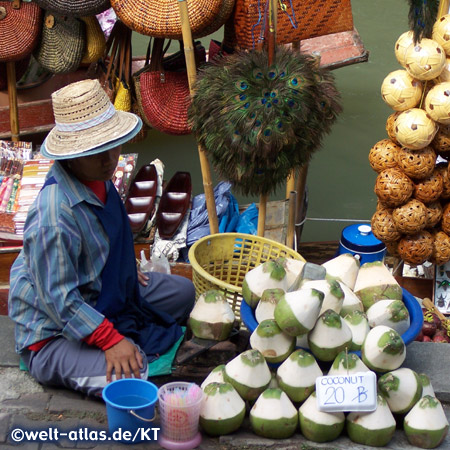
<point x="220" y="261"/>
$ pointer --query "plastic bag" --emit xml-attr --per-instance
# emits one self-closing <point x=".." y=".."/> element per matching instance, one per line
<point x="156" y="264"/>
<point x="248" y="220"/>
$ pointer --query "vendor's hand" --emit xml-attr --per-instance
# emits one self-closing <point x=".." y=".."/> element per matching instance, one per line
<point x="142" y="278"/>
<point x="124" y="358"/>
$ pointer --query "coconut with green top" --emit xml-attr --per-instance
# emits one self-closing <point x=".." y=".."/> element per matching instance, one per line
<point x="274" y="273"/>
<point x="297" y="375"/>
<point x="392" y="313"/>
<point x="402" y="389"/>
<point x="347" y="363"/>
<point x="330" y="336"/>
<point x="266" y="306"/>
<point x="212" y="316"/>
<point x="374" y="428"/>
<point x="216" y="375"/>
<point x="383" y="349"/>
<point x="270" y="340"/>
<point x="222" y="410"/>
<point x="351" y="301"/>
<point x="427" y="388"/>
<point x="319" y="426"/>
<point x="359" y="326"/>
<point x="296" y="313"/>
<point x="426" y="425"/>
<point x="273" y="415"/>
<point x="333" y="294"/>
<point x="248" y="373"/>
<point x="374" y="282"/>
<point x="343" y="267"/>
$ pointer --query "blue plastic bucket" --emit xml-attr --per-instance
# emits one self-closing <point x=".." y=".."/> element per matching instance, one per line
<point x="130" y="404"/>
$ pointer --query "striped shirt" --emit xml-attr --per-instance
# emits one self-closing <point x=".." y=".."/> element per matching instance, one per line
<point x="56" y="278"/>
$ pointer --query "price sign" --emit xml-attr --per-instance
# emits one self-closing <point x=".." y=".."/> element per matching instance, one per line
<point x="352" y="392"/>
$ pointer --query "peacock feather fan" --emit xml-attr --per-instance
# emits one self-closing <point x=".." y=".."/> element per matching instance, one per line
<point x="421" y="17"/>
<point x="256" y="122"/>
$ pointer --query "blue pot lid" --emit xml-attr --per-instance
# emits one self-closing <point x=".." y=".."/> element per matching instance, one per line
<point x="360" y="238"/>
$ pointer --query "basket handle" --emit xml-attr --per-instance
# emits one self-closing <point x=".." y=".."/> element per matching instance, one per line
<point x="133" y="413"/>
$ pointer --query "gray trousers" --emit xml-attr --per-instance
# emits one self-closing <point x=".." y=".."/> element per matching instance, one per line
<point x="81" y="367"/>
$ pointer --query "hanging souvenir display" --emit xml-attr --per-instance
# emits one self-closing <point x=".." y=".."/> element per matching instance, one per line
<point x="74" y="8"/>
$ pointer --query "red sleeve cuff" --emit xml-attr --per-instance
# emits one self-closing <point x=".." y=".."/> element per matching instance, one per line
<point x="105" y="336"/>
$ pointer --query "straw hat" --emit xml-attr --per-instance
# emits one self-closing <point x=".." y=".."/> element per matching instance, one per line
<point x="86" y="122"/>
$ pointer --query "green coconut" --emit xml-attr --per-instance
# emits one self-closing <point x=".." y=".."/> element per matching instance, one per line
<point x="344" y="268"/>
<point x="275" y="273"/>
<point x="270" y="340"/>
<point x="427" y="387"/>
<point x="392" y="313"/>
<point x="297" y="375"/>
<point x="402" y="389"/>
<point x="333" y="294"/>
<point x="319" y="426"/>
<point x="266" y="306"/>
<point x="374" y="282"/>
<point x="383" y="349"/>
<point x="426" y="425"/>
<point x="329" y="337"/>
<point x="347" y="363"/>
<point x="222" y="410"/>
<point x="212" y="316"/>
<point x="248" y="373"/>
<point x="359" y="326"/>
<point x="296" y="313"/>
<point x="351" y="301"/>
<point x="374" y="428"/>
<point x="273" y="415"/>
<point x="216" y="375"/>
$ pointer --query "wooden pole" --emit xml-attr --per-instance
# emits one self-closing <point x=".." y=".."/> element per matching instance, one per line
<point x="443" y="8"/>
<point x="291" y="220"/>
<point x="290" y="183"/>
<point x="12" y="94"/>
<point x="192" y="76"/>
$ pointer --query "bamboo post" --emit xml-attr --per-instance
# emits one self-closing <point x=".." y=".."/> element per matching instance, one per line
<point x="443" y="8"/>
<point x="291" y="220"/>
<point x="12" y="94"/>
<point x="192" y="76"/>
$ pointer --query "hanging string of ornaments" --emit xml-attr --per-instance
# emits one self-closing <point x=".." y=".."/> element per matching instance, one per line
<point x="413" y="211"/>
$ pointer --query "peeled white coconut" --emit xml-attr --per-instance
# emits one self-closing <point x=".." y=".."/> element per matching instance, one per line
<point x="402" y="389"/>
<point x="426" y="425"/>
<point x="374" y="282"/>
<point x="333" y="294"/>
<point x="248" y="373"/>
<point x="275" y="273"/>
<point x="302" y="341"/>
<point x="330" y="336"/>
<point x="383" y="349"/>
<point x="215" y="376"/>
<point x="351" y="301"/>
<point x="359" y="326"/>
<point x="319" y="426"/>
<point x="296" y="312"/>
<point x="266" y="306"/>
<point x="212" y="316"/>
<point x="273" y="415"/>
<point x="347" y="363"/>
<point x="344" y="267"/>
<point x="222" y="410"/>
<point x="294" y="268"/>
<point x="374" y="428"/>
<point x="297" y="375"/>
<point x="270" y="340"/>
<point x="427" y="388"/>
<point x="392" y="313"/>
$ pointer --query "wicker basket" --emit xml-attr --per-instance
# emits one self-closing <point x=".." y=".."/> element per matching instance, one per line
<point x="383" y="155"/>
<point x="220" y="261"/>
<point x="429" y="189"/>
<point x="416" y="249"/>
<point x="434" y="214"/>
<point x="390" y="126"/>
<point x="442" y="169"/>
<point x="393" y="188"/>
<point x="411" y="217"/>
<point x="441" y="248"/>
<point x="445" y="222"/>
<point x="383" y="226"/>
<point x="417" y="164"/>
<point x="441" y="142"/>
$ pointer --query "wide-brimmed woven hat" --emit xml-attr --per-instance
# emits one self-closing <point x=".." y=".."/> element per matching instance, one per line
<point x="86" y="122"/>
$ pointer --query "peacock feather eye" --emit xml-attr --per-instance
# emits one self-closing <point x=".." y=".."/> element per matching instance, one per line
<point x="282" y="74"/>
<point x="273" y="94"/>
<point x="241" y="85"/>
<point x="266" y="94"/>
<point x="275" y="101"/>
<point x="294" y="82"/>
<point x="280" y="125"/>
<point x="263" y="101"/>
<point x="257" y="74"/>
<point x="291" y="103"/>
<point x="257" y="123"/>
<point x="271" y="75"/>
<point x="267" y="132"/>
<point x="268" y="105"/>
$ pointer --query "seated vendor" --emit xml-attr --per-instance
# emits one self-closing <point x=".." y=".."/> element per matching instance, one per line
<point x="83" y="313"/>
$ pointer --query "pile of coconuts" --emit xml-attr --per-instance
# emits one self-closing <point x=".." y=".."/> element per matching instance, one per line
<point x="311" y="317"/>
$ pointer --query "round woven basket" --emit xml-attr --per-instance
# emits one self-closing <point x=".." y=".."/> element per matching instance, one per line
<point x="382" y="155"/>
<point x="411" y="217"/>
<point x="74" y="8"/>
<point x="392" y="248"/>
<point x="417" y="248"/>
<point x="441" y="248"/>
<point x="445" y="221"/>
<point x="429" y="189"/>
<point x="383" y="226"/>
<point x="442" y="170"/>
<point x="441" y="142"/>
<point x="390" y="127"/>
<point x="417" y="164"/>
<point x="434" y="213"/>
<point x="220" y="261"/>
<point x="393" y="187"/>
